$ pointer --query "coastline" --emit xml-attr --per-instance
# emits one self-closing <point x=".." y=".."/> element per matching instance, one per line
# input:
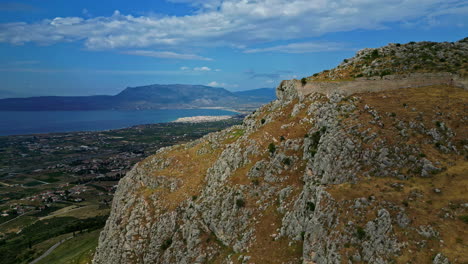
<point x="201" y="119"/>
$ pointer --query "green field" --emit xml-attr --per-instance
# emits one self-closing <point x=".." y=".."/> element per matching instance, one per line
<point x="29" y="174"/>
<point x="77" y="250"/>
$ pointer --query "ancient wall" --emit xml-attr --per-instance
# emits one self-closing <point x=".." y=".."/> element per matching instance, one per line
<point x="377" y="84"/>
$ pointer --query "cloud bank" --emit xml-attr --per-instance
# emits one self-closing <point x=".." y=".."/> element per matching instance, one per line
<point x="240" y="23"/>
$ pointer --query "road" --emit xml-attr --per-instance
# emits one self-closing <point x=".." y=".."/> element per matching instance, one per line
<point x="50" y="250"/>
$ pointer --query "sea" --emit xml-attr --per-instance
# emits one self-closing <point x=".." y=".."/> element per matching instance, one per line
<point x="40" y="122"/>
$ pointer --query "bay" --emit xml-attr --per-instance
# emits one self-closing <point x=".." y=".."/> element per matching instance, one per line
<point x="39" y="122"/>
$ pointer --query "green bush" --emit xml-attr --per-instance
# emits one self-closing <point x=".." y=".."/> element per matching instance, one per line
<point x="272" y="148"/>
<point x="311" y="206"/>
<point x="166" y="244"/>
<point x="360" y="233"/>
<point x="464" y="218"/>
<point x="303" y="81"/>
<point x="375" y="54"/>
<point x="240" y="203"/>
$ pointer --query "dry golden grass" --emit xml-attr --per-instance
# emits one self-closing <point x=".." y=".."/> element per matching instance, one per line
<point x="78" y="212"/>
<point x="266" y="249"/>
<point x="428" y="209"/>
<point x="186" y="166"/>
<point x="272" y="132"/>
<point x="436" y="103"/>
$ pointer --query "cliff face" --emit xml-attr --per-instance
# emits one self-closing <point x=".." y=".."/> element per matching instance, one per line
<point x="309" y="178"/>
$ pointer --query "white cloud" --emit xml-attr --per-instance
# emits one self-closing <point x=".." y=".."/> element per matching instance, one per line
<point x="199" y="69"/>
<point x="304" y="47"/>
<point x="86" y="12"/>
<point x="165" y="55"/>
<point x="204" y="68"/>
<point x="233" y="23"/>
<point x="224" y="85"/>
<point x="213" y="83"/>
<point x="88" y="71"/>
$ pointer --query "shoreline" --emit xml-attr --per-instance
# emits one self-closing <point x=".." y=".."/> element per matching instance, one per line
<point x="201" y="119"/>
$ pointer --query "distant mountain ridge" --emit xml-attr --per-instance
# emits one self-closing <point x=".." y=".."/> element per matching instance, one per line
<point x="157" y="96"/>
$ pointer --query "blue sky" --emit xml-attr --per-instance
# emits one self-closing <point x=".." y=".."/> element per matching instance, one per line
<point x="62" y="47"/>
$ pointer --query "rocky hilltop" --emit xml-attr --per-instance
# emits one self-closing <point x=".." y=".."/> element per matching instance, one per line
<point x="320" y="175"/>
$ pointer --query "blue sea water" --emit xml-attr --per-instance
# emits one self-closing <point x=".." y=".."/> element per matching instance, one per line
<point x="36" y="122"/>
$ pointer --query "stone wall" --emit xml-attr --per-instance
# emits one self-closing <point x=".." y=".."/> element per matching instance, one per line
<point x="378" y="84"/>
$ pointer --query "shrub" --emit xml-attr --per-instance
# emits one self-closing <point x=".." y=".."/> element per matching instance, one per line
<point x="287" y="161"/>
<point x="303" y="81"/>
<point x="385" y="72"/>
<point x="240" y="203"/>
<point x="311" y="206"/>
<point x="398" y="44"/>
<point x="263" y="121"/>
<point x="392" y="114"/>
<point x="166" y="244"/>
<point x="255" y="182"/>
<point x="464" y="218"/>
<point x="312" y="152"/>
<point x="315" y="139"/>
<point x="272" y="148"/>
<point x="375" y="54"/>
<point x="422" y="155"/>
<point x="360" y="233"/>
<point x="345" y="60"/>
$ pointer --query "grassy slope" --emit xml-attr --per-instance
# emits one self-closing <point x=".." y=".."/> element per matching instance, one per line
<point x="74" y="251"/>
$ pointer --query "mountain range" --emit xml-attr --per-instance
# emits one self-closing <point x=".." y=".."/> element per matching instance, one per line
<point x="155" y="96"/>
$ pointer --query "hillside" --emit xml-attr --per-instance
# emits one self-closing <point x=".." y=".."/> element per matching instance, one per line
<point x="355" y="171"/>
<point x="143" y="97"/>
<point x="395" y="58"/>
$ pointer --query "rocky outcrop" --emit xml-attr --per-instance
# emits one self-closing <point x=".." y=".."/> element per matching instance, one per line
<point x="309" y="178"/>
<point x="402" y="59"/>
